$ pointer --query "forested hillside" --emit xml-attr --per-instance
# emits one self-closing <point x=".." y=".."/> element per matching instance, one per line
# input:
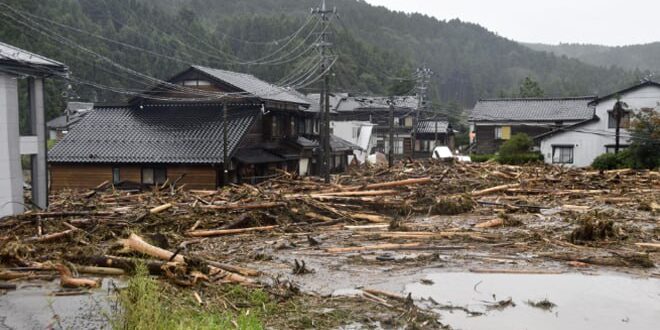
<point x="374" y="46"/>
<point x="643" y="57"/>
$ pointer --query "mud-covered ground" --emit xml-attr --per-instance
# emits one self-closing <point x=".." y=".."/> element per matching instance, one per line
<point x="424" y="244"/>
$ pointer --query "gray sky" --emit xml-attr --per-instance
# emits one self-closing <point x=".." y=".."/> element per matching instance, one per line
<point x="607" y="22"/>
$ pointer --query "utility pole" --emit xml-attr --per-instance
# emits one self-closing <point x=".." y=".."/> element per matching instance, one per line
<point x="225" y="150"/>
<point x="423" y="77"/>
<point x="324" y="13"/>
<point x="390" y="152"/>
<point x="618" y="113"/>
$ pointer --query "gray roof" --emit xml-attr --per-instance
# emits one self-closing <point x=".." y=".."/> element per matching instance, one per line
<point x="533" y="109"/>
<point x="22" y="59"/>
<point x="428" y="126"/>
<point x="255" y="86"/>
<point x="353" y="103"/>
<point x="157" y="134"/>
<point x="63" y="122"/>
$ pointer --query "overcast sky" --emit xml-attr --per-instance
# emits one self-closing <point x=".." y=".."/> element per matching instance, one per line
<point x="607" y="22"/>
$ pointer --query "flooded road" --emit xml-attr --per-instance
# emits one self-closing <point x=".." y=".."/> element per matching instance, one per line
<point x="581" y="301"/>
<point x="33" y="306"/>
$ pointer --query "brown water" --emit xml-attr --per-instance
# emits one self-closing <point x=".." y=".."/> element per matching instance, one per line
<point x="582" y="301"/>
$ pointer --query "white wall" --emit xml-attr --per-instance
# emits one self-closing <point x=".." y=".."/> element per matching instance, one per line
<point x="590" y="140"/>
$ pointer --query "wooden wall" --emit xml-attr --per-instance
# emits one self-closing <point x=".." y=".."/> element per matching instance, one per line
<point x="75" y="176"/>
<point x="86" y="176"/>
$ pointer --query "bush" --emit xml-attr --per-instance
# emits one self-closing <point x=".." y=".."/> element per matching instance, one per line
<point x="520" y="158"/>
<point x="518" y="144"/>
<point x="606" y="162"/>
<point x="517" y="151"/>
<point x="481" y="158"/>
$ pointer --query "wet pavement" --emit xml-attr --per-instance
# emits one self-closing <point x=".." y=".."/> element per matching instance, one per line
<point x="34" y="306"/>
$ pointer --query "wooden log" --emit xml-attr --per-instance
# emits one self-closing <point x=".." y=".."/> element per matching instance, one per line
<point x="254" y="206"/>
<point x="367" y="227"/>
<point x="392" y="184"/>
<point x="100" y="270"/>
<point x="161" y="208"/>
<point x="7" y="286"/>
<point x="375" y="218"/>
<point x="8" y="275"/>
<point x="649" y="246"/>
<point x="222" y="232"/>
<point x="387" y="294"/>
<point x="50" y="237"/>
<point x="316" y="216"/>
<point x="235" y="269"/>
<point x="373" y="247"/>
<point x="68" y="281"/>
<point x="491" y="223"/>
<point x="494" y="190"/>
<point x="136" y="243"/>
<point x="356" y="193"/>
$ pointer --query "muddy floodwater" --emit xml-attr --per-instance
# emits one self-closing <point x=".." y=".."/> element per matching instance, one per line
<point x="580" y="301"/>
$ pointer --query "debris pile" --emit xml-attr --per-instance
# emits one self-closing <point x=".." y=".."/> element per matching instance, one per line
<point x="191" y="236"/>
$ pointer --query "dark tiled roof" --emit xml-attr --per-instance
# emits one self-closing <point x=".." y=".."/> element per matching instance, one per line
<point x="428" y="126"/>
<point x="535" y="109"/>
<point x="255" y="86"/>
<point x="156" y="134"/>
<point x="16" y="57"/>
<point x="339" y="144"/>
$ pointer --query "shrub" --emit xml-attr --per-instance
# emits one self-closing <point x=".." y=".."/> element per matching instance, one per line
<point x="518" y="144"/>
<point x="520" y="158"/>
<point x="606" y="162"/>
<point x="481" y="158"/>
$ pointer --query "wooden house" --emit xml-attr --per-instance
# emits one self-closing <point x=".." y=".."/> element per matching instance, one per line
<point x="173" y="136"/>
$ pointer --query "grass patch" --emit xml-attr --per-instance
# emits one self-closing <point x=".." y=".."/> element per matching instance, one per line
<point x="146" y="304"/>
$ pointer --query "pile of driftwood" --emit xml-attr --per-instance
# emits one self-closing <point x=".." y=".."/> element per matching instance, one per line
<point x="96" y="231"/>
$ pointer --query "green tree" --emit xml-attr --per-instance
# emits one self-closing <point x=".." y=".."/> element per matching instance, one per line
<point x="530" y="88"/>
<point x="645" y="146"/>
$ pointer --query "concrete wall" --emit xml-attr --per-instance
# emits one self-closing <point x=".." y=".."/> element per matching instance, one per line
<point x="591" y="140"/>
<point x="11" y="178"/>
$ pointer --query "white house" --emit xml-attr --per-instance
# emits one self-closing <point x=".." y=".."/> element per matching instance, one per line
<point x="579" y="144"/>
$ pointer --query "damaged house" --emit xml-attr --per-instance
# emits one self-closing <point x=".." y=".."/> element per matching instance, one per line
<point x="169" y="136"/>
<point x="365" y="121"/>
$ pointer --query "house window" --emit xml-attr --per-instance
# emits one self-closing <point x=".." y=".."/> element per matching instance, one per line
<point x="562" y="154"/>
<point x="275" y="127"/>
<point x="195" y="83"/>
<point x="610" y="149"/>
<point x="152" y="176"/>
<point x="503" y="132"/>
<point x="116" y="177"/>
<point x="625" y="120"/>
<point x="408" y="122"/>
<point x="356" y="132"/>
